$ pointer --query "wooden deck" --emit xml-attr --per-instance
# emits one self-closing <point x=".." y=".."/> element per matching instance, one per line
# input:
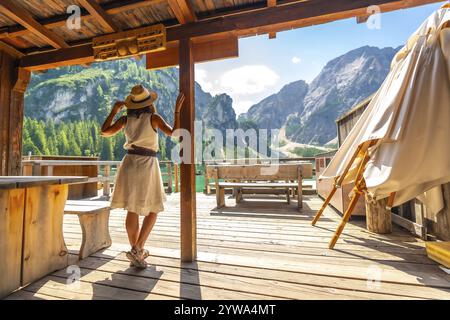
<point x="258" y="250"/>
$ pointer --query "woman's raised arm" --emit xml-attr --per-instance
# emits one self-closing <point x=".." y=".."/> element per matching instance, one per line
<point x="159" y="123"/>
<point x="109" y="129"/>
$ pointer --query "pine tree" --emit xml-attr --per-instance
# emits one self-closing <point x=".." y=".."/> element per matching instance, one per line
<point x="106" y="152"/>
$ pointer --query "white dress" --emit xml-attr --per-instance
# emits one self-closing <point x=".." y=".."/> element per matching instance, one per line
<point x="139" y="187"/>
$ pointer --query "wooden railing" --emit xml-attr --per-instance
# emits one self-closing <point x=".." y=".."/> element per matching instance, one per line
<point x="258" y="160"/>
<point x="105" y="170"/>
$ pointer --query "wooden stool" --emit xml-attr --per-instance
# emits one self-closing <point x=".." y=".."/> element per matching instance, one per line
<point x="94" y="221"/>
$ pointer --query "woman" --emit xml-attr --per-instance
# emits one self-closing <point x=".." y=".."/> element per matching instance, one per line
<point x="138" y="187"/>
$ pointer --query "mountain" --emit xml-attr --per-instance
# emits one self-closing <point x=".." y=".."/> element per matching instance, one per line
<point x="218" y="115"/>
<point x="68" y="105"/>
<point x="309" y="118"/>
<point x="272" y="112"/>
<point x="77" y="93"/>
<point x="83" y="97"/>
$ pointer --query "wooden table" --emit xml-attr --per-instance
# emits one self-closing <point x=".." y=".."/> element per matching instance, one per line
<point x="31" y="228"/>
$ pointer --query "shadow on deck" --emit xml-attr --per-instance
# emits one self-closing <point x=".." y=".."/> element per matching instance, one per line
<point x="258" y="250"/>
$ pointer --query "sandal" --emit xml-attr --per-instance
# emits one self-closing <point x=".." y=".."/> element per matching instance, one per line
<point x="136" y="259"/>
<point x="145" y="254"/>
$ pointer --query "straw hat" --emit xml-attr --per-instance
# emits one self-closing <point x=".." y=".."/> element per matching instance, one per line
<point x="140" y="97"/>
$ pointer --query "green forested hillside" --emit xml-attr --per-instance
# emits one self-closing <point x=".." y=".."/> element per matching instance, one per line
<point x="74" y="138"/>
<point x="65" y="107"/>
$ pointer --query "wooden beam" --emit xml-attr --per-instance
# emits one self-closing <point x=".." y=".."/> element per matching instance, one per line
<point x="110" y="8"/>
<point x="203" y="51"/>
<point x="265" y="20"/>
<point x="182" y="9"/>
<point x="116" y="7"/>
<point x="298" y="14"/>
<point x="100" y="15"/>
<point x="362" y="19"/>
<point x="11" y="50"/>
<point x="188" y="217"/>
<point x="58" y="58"/>
<point x="21" y="16"/>
<point x="272" y="3"/>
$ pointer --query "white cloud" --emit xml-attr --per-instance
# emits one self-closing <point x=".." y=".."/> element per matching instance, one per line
<point x="248" y="79"/>
<point x="296" y="60"/>
<point x="201" y="76"/>
<point x="242" y="106"/>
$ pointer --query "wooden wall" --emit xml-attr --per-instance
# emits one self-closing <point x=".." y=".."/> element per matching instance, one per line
<point x="346" y="123"/>
<point x="439" y="224"/>
<point x="340" y="200"/>
<point x="13" y="83"/>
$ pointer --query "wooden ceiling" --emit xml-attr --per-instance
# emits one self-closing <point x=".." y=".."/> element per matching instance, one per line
<point x="36" y="30"/>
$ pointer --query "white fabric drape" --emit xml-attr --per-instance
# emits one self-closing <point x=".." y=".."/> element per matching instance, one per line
<point x="409" y="117"/>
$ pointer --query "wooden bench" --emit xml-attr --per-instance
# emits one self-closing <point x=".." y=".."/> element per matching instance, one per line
<point x="255" y="187"/>
<point x="259" y="177"/>
<point x="94" y="221"/>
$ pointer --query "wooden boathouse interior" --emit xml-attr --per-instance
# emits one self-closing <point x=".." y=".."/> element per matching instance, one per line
<point x="221" y="257"/>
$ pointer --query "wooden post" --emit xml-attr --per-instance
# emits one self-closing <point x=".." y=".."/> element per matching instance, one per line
<point x="106" y="184"/>
<point x="188" y="196"/>
<point x="220" y="192"/>
<point x="300" y="188"/>
<point x="169" y="177"/>
<point x="206" y="178"/>
<point x="177" y="182"/>
<point x="13" y="83"/>
<point x="37" y="169"/>
<point x="378" y="217"/>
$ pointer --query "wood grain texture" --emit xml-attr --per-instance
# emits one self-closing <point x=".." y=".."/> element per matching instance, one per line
<point x="44" y="247"/>
<point x="98" y="13"/>
<point x="182" y="9"/>
<point x="13" y="83"/>
<point x="282" y="171"/>
<point x="11" y="231"/>
<point x="378" y="216"/>
<point x="79" y="191"/>
<point x="439" y="223"/>
<point x="94" y="222"/>
<point x="21" y="80"/>
<point x="187" y="176"/>
<point x="260" y="250"/>
<point x="21" y="16"/>
<point x="12" y="51"/>
<point x="8" y="72"/>
<point x="95" y="229"/>
<point x="248" y="22"/>
<point x="203" y="52"/>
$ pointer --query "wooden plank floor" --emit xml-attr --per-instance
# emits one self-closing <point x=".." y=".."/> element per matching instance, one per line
<point x="259" y="250"/>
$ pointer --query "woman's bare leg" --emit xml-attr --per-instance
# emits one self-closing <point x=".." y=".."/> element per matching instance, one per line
<point x="147" y="227"/>
<point x="132" y="225"/>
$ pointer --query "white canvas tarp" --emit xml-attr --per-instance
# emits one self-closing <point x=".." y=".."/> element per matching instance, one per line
<point x="409" y="118"/>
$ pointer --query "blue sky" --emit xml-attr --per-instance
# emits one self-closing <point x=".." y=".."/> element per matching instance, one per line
<point x="264" y="66"/>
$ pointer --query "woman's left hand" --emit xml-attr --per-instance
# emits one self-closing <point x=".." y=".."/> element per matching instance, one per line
<point x="180" y="101"/>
